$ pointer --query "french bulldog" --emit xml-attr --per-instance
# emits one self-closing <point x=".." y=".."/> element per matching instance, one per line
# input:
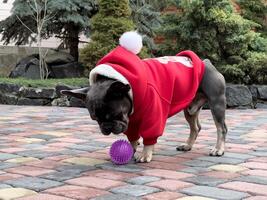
<point x="111" y="102"/>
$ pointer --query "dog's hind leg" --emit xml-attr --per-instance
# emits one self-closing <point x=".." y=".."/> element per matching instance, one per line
<point x="217" y="107"/>
<point x="191" y="116"/>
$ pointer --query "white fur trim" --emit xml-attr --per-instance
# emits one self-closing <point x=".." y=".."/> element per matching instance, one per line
<point x="110" y="72"/>
<point x="131" y="41"/>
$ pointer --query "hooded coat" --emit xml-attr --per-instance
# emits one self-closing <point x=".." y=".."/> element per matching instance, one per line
<point x="160" y="87"/>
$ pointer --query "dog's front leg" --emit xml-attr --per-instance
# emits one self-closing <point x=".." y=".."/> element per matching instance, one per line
<point x="146" y="155"/>
<point x="135" y="144"/>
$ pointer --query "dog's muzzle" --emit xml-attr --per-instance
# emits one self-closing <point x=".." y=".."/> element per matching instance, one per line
<point x="116" y="127"/>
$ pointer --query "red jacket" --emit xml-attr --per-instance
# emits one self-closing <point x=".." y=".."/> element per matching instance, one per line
<point x="161" y="88"/>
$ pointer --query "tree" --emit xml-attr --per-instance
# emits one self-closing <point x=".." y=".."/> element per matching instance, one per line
<point x="146" y="17"/>
<point x="112" y="20"/>
<point x="255" y="10"/>
<point x="70" y="18"/>
<point x="214" y="31"/>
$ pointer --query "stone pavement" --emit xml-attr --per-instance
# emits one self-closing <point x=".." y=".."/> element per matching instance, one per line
<point x="53" y="153"/>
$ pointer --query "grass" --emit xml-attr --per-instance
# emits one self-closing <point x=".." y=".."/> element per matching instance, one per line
<point x="79" y="82"/>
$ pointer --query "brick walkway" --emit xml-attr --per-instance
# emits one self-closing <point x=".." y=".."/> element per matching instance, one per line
<point x="52" y="153"/>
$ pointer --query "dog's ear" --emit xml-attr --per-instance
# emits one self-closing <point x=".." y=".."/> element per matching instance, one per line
<point x="77" y="93"/>
<point x="117" y="90"/>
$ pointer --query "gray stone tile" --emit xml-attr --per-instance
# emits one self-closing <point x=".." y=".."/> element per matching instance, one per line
<point x="205" y="180"/>
<point x="77" y="168"/>
<point x="33" y="183"/>
<point x="198" y="163"/>
<point x="37" y="154"/>
<point x="43" y="136"/>
<point x="84" y="147"/>
<point x="195" y="170"/>
<point x="221" y="160"/>
<point x="3" y="186"/>
<point x="122" y="168"/>
<point x="253" y="179"/>
<point x="135" y="190"/>
<point x="7" y="156"/>
<point x="140" y="180"/>
<point x="241" y="156"/>
<point x="62" y="176"/>
<point x="214" y="192"/>
<point x="6" y="165"/>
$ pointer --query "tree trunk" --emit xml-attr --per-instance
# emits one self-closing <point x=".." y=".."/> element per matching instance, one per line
<point x="73" y="40"/>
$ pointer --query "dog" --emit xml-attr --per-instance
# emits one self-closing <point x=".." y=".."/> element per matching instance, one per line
<point x="139" y="101"/>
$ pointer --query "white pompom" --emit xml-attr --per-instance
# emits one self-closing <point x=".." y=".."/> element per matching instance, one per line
<point x="131" y="41"/>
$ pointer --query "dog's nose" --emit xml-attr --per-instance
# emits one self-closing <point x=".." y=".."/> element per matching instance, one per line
<point x="106" y="128"/>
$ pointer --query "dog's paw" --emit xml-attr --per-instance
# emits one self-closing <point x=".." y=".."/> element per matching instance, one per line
<point x="216" y="152"/>
<point x="184" y="147"/>
<point x="146" y="155"/>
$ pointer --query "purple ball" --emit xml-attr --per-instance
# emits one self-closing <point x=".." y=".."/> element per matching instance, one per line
<point x="121" y="152"/>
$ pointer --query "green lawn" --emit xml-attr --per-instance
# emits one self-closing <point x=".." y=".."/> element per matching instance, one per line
<point x="46" y="83"/>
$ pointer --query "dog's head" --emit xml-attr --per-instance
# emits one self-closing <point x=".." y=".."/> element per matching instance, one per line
<point x="108" y="103"/>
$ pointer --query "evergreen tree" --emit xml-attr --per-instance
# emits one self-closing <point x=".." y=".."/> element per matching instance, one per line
<point x="112" y="20"/>
<point x="255" y="10"/>
<point x="146" y="17"/>
<point x="67" y="20"/>
<point x="214" y="31"/>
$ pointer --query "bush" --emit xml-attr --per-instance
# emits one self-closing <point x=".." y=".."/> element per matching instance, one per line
<point x="213" y="30"/>
<point x="112" y="20"/>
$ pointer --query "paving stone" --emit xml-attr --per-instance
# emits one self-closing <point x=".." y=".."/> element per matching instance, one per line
<point x="205" y="180"/>
<point x="255" y="172"/>
<point x="22" y="160"/>
<point x="195" y="170"/>
<point x="62" y="176"/>
<point x="29" y="171"/>
<point x="33" y="183"/>
<point x="221" y="160"/>
<point x="253" y="179"/>
<point x="112" y="175"/>
<point x="238" y="155"/>
<point x="3" y="186"/>
<point x="228" y="168"/>
<point x="140" y="180"/>
<point x="5" y="165"/>
<point x="13" y="193"/>
<point x="255" y="165"/>
<point x="44" y="197"/>
<point x="43" y="136"/>
<point x="7" y="156"/>
<point x="135" y="190"/>
<point x="78" y="168"/>
<point x="116" y="197"/>
<point x="166" y="174"/>
<point x="76" y="192"/>
<point x="85" y="147"/>
<point x="84" y="161"/>
<point x="246" y="187"/>
<point x="123" y="168"/>
<point x="37" y="154"/>
<point x="169" y="185"/>
<point x="165" y="195"/>
<point x="195" y="198"/>
<point x="257" y="198"/>
<point x="198" y="163"/>
<point x="213" y="192"/>
<point x="95" y="182"/>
